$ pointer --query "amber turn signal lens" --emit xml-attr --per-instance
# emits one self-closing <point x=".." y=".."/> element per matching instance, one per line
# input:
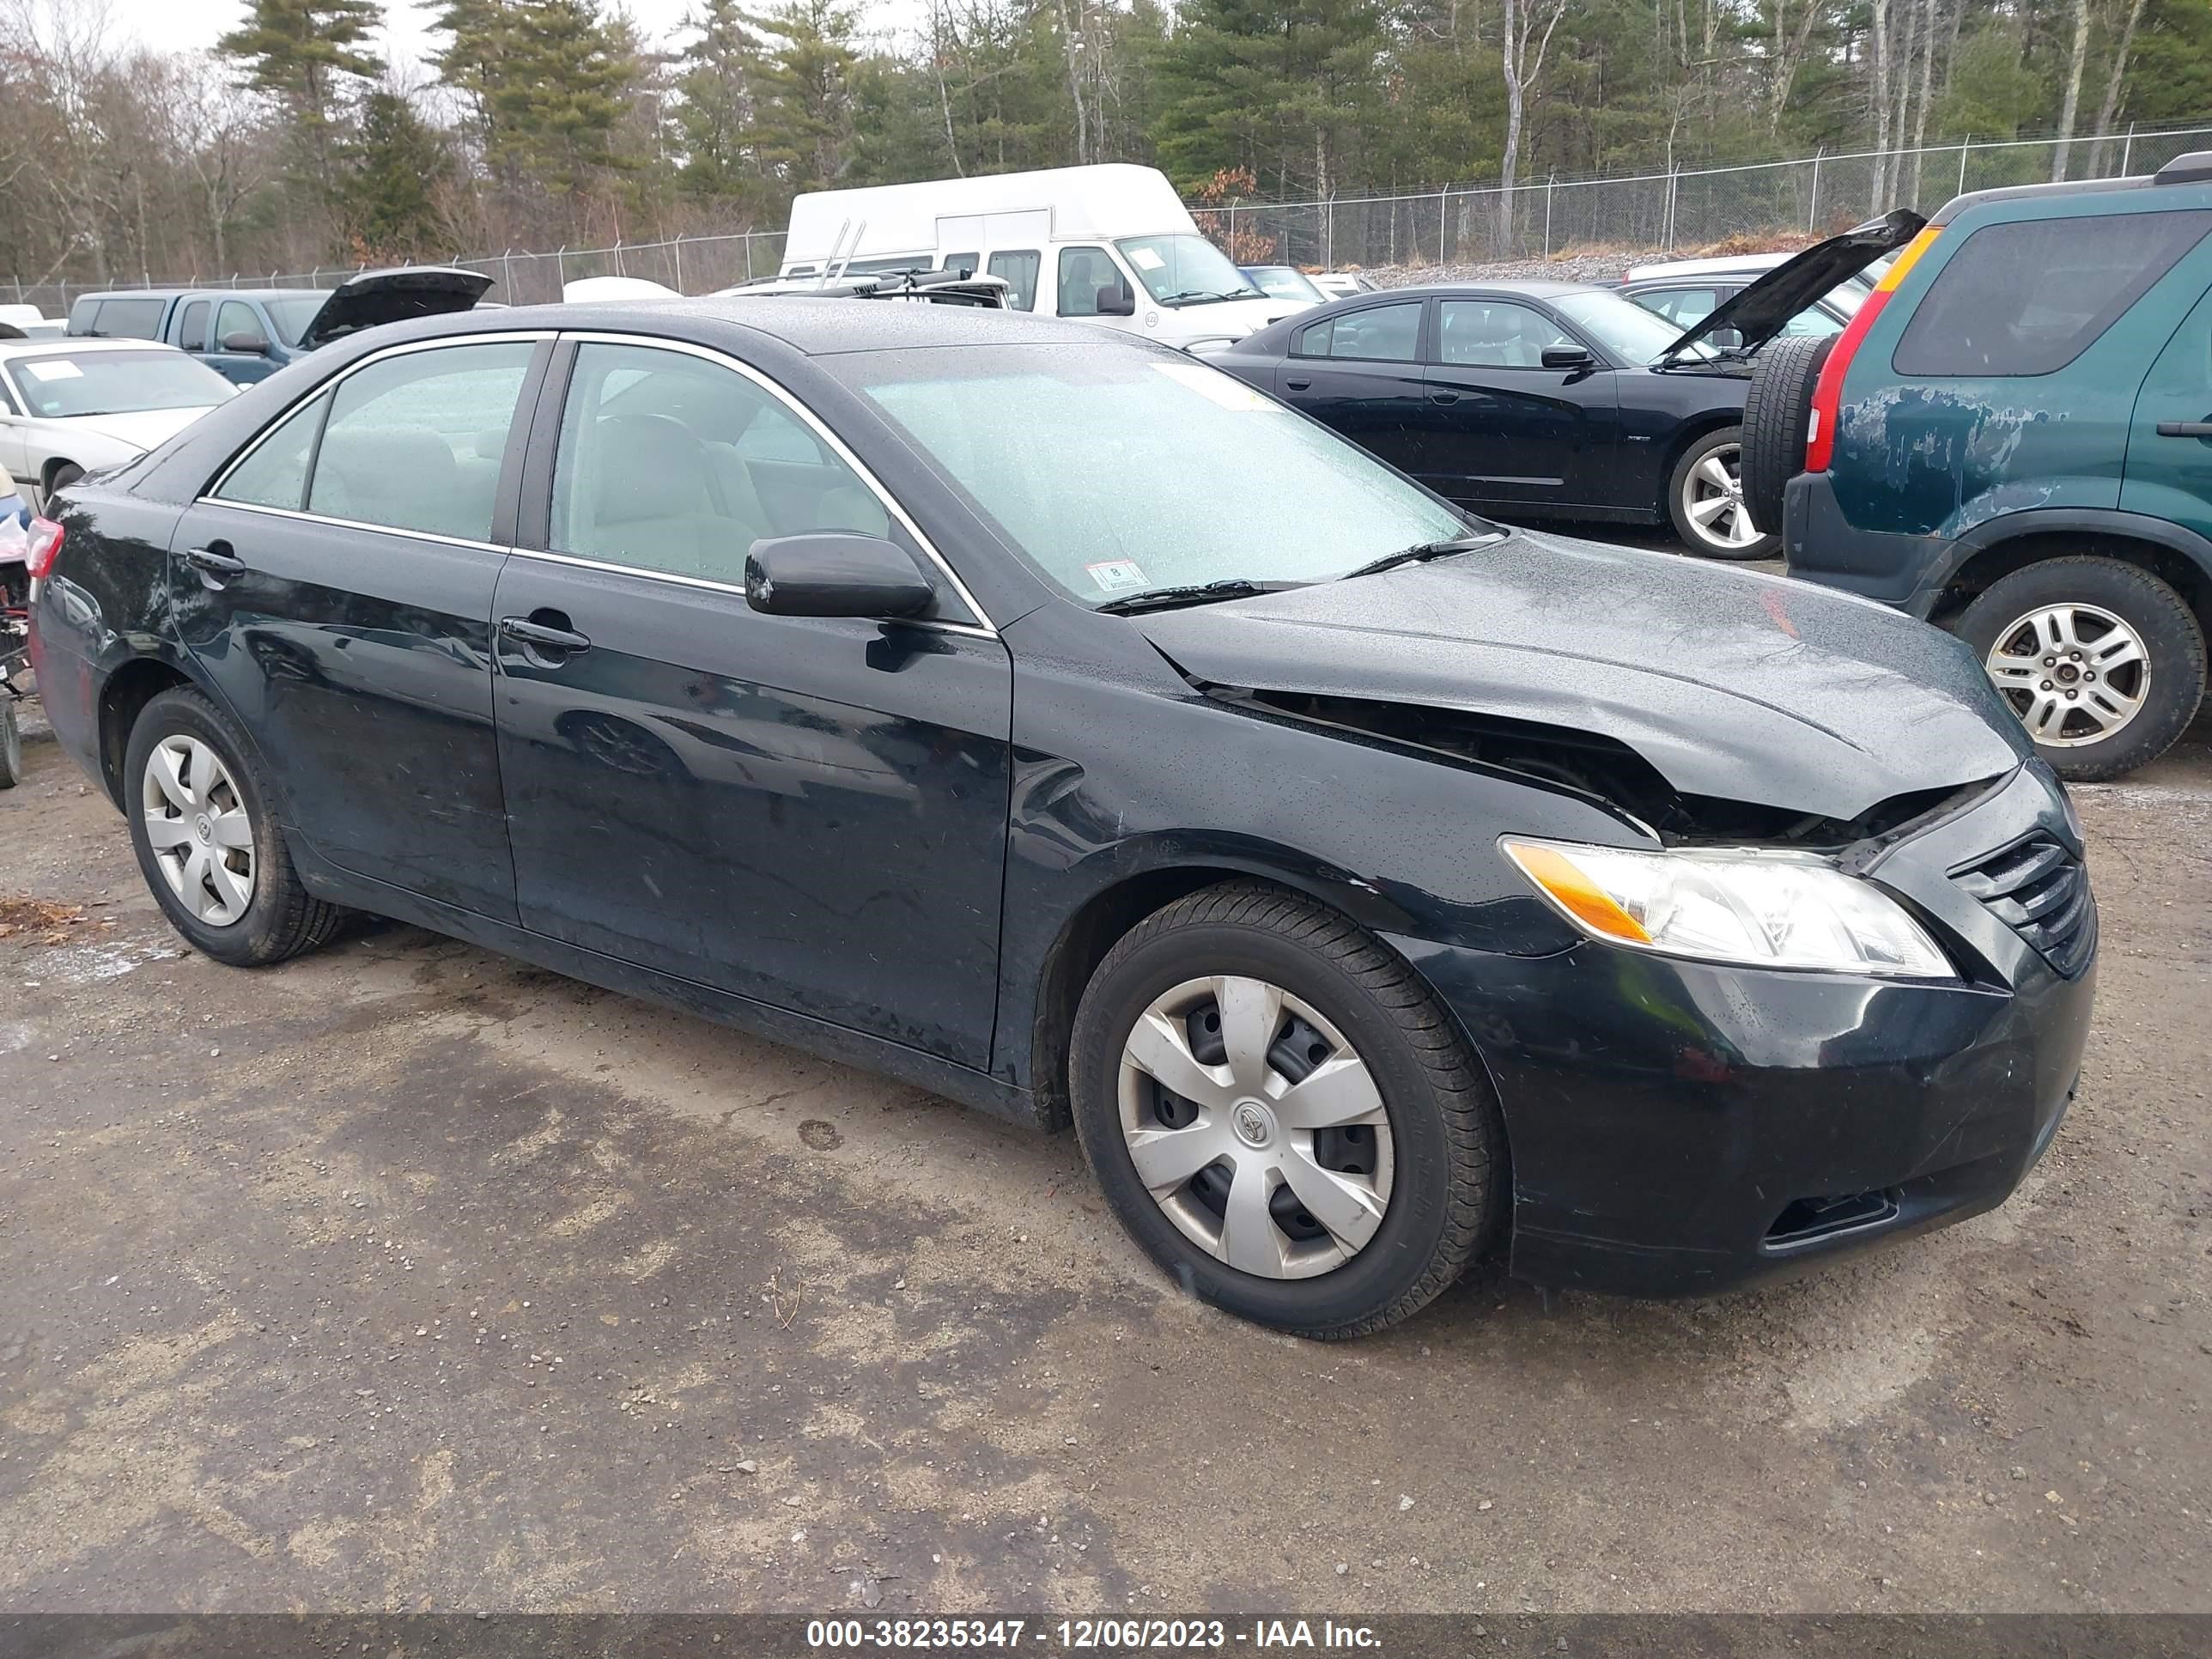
<point x="1575" y="892"/>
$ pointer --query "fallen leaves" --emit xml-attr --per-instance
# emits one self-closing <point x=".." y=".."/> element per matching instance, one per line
<point x="46" y="920"/>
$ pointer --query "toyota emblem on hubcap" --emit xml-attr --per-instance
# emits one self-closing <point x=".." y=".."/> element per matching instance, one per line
<point x="202" y="828"/>
<point x="1254" y="1123"/>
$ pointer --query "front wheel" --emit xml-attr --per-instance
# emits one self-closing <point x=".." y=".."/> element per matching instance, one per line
<point x="1704" y="499"/>
<point x="2102" y="660"/>
<point x="1282" y="1114"/>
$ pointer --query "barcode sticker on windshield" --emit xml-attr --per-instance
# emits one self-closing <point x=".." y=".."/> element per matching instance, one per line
<point x="53" y="368"/>
<point x="1146" y="259"/>
<point x="1114" y="575"/>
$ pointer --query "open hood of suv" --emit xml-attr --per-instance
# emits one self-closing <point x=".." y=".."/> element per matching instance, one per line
<point x="392" y="296"/>
<point x="1759" y="312"/>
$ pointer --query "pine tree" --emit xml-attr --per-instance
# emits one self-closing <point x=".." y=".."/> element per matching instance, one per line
<point x="398" y="164"/>
<point x="715" y="118"/>
<point x="307" y="54"/>
<point x="562" y="89"/>
<point x="802" y="95"/>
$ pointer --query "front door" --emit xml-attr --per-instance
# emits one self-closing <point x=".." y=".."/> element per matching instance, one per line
<point x="808" y="812"/>
<point x="1500" y="427"/>
<point x="2169" y="465"/>
<point x="235" y="318"/>
<point x="1360" y="372"/>
<point x="336" y="590"/>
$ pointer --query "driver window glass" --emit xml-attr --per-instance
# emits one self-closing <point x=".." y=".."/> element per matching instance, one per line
<point x="672" y="463"/>
<point x="1682" y="306"/>
<point x="1495" y="334"/>
<point x="1084" y="272"/>
<point x="236" y="317"/>
<point x="1385" y="334"/>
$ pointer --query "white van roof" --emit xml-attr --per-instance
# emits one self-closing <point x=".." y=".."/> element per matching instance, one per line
<point x="1110" y="199"/>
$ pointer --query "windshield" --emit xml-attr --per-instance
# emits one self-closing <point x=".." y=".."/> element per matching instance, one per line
<point x="292" y="315"/>
<point x="1623" y="327"/>
<point x="1184" y="270"/>
<point x="1113" y="471"/>
<point x="61" y="384"/>
<point x="1284" y="283"/>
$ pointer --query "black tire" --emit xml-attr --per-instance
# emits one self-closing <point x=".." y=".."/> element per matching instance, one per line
<point x="1448" y="1195"/>
<point x="281" y="919"/>
<point x="2174" y="647"/>
<point x="1725" y="444"/>
<point x="11" y="742"/>
<point x="58" y="480"/>
<point x="1776" y="412"/>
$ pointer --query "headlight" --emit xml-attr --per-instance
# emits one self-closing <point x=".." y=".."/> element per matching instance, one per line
<point x="1762" y="909"/>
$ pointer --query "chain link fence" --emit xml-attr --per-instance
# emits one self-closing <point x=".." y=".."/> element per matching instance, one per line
<point x="1644" y="213"/>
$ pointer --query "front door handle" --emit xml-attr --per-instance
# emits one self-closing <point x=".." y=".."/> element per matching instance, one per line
<point x="2185" y="429"/>
<point x="1443" y="396"/>
<point x="215" y="560"/>
<point x="560" y="640"/>
<point x="1298" y="386"/>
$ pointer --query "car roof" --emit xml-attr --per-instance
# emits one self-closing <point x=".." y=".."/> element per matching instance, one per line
<point x="1713" y="267"/>
<point x="75" y="345"/>
<point x="202" y="293"/>
<point x="1526" y="288"/>
<point x="813" y="326"/>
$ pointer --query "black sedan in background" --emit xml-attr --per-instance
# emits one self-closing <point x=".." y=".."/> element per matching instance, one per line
<point x="1529" y="399"/>
<point x="1045" y="717"/>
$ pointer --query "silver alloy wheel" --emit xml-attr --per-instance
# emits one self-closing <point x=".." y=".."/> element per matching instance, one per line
<point x="2073" y="673"/>
<point x="1217" y="1142"/>
<point x="196" y="825"/>
<point x="1712" y="499"/>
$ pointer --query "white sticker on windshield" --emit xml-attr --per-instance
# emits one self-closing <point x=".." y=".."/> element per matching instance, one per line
<point x="1116" y="575"/>
<point x="53" y="368"/>
<point x="1146" y="259"/>
<point x="1224" y="389"/>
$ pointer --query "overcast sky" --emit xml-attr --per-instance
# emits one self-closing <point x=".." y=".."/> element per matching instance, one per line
<point x="178" y="25"/>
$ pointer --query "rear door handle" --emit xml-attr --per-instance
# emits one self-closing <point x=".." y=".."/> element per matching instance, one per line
<point x="2185" y="429"/>
<point x="561" y="641"/>
<point x="215" y="560"/>
<point x="1298" y="386"/>
<point x="1443" y="396"/>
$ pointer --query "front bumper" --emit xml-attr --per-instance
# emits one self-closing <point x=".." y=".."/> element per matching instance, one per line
<point x="1819" y="544"/>
<point x="1682" y="1128"/>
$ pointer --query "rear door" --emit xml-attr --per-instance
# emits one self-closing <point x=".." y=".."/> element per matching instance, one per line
<point x="808" y="812"/>
<point x="1359" y="371"/>
<point x="1503" y="428"/>
<point x="336" y="586"/>
<point x="2169" y="464"/>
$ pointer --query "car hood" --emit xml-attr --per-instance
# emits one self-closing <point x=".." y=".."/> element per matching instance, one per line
<point x="141" y="429"/>
<point x="392" y="296"/>
<point x="1239" y="317"/>
<point x="1759" y="312"/>
<point x="1731" y="683"/>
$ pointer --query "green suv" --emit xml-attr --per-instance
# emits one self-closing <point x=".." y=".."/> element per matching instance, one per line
<point x="2013" y="439"/>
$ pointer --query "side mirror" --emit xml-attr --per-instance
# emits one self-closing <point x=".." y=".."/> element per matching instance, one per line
<point x="246" y="340"/>
<point x="1117" y="301"/>
<point x="1568" y="357"/>
<point x="835" y="573"/>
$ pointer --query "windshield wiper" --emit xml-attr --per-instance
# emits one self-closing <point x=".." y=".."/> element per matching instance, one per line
<point x="1166" y="598"/>
<point x="1424" y="551"/>
<point x="1209" y="294"/>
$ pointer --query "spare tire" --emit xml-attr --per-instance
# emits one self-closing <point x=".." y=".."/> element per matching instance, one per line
<point x="1776" y="413"/>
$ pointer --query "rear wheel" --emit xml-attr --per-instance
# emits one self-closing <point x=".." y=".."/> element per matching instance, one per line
<point x="2102" y="660"/>
<point x="1778" y="411"/>
<point x="1704" y="498"/>
<point x="11" y="742"/>
<point x="1282" y="1114"/>
<point x="207" y="844"/>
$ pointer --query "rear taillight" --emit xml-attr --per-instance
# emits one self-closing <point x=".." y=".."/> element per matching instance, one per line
<point x="44" y="540"/>
<point x="1828" y="391"/>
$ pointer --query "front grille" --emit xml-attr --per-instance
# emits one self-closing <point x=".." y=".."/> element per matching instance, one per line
<point x="2041" y="891"/>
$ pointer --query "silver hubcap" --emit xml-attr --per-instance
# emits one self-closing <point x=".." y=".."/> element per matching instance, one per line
<point x="1712" y="499"/>
<point x="196" y="825"/>
<point x="2073" y="673"/>
<point x="1255" y="1128"/>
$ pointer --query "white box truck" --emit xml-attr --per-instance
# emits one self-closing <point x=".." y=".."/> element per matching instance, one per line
<point x="1111" y="244"/>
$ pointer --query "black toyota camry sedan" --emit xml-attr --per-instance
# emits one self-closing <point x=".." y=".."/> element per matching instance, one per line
<point x="1052" y="721"/>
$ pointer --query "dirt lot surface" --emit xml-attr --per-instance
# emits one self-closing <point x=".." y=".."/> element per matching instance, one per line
<point x="404" y="1277"/>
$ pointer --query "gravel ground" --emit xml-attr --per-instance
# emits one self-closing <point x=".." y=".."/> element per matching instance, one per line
<point x="405" y="1276"/>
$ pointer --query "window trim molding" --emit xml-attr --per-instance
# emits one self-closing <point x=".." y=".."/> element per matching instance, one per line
<point x="813" y="423"/>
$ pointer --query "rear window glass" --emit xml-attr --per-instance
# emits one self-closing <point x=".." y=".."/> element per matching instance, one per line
<point x="131" y="320"/>
<point x="2030" y="298"/>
